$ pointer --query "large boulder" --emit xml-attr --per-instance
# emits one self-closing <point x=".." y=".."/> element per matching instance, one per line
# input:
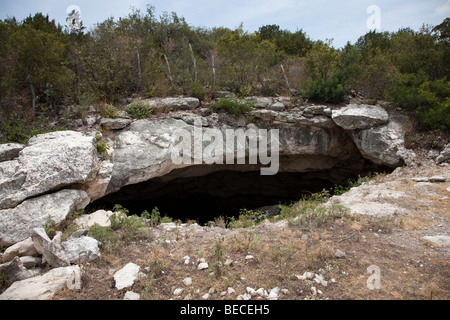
<point x="81" y="249"/>
<point x="44" y="287"/>
<point x="50" y="161"/>
<point x="17" y="224"/>
<point x="360" y="117"/>
<point x="384" y="145"/>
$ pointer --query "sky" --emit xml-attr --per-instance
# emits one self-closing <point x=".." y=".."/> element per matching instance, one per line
<point x="343" y="20"/>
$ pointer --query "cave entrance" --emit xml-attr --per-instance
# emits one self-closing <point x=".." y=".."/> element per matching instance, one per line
<point x="220" y="193"/>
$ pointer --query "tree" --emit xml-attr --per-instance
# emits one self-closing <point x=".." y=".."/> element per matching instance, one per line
<point x="39" y="50"/>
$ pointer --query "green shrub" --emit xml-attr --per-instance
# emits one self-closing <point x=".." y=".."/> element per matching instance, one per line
<point x="198" y="91"/>
<point x="326" y="90"/>
<point x="428" y="100"/>
<point x="109" y="111"/>
<point x="139" y="110"/>
<point x="102" y="146"/>
<point x="233" y="106"/>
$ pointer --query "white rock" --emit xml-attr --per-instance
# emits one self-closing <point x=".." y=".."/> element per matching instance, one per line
<point x="249" y="257"/>
<point x="251" y="291"/>
<point x="285" y="291"/>
<point x="231" y="290"/>
<point x="360" y="117"/>
<point x="81" y="249"/>
<point x="313" y="291"/>
<point x="273" y="295"/>
<point x="125" y="277"/>
<point x="51" y="252"/>
<point x="320" y="280"/>
<point x="187" y="281"/>
<point x="260" y="292"/>
<point x="18" y="223"/>
<point x="206" y="296"/>
<point x="51" y="160"/>
<point x="20" y="249"/>
<point x="203" y="266"/>
<point x="438" y="179"/>
<point x="130" y="295"/>
<point x="100" y="217"/>
<point x="340" y="254"/>
<point x="178" y="291"/>
<point x="45" y="286"/>
<point x="438" y="240"/>
<point x="228" y="263"/>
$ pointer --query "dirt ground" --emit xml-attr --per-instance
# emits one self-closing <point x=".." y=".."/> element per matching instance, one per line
<point x="407" y="266"/>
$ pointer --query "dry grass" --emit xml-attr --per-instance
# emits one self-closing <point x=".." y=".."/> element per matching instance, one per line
<point x="411" y="268"/>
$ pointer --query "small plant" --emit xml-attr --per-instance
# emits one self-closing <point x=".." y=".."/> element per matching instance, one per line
<point x="140" y="110"/>
<point x="339" y="190"/>
<point x="50" y="227"/>
<point x="198" y="91"/>
<point x="218" y="256"/>
<point x="233" y="106"/>
<point x="102" y="146"/>
<point x="109" y="111"/>
<point x="246" y="219"/>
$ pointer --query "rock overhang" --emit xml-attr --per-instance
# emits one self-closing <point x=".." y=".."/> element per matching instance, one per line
<point x="311" y="140"/>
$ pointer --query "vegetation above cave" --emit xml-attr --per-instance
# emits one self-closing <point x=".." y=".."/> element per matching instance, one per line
<point x="44" y="66"/>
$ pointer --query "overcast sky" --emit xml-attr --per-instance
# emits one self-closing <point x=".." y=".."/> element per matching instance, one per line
<point x="342" y="20"/>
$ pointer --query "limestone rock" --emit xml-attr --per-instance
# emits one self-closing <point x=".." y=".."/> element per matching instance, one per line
<point x="10" y="151"/>
<point x="180" y="103"/>
<point x="81" y="249"/>
<point x="126" y="276"/>
<point x="444" y="155"/>
<point x="50" y="161"/>
<point x="115" y="124"/>
<point x="17" y="224"/>
<point x="100" y="217"/>
<point x="273" y="295"/>
<point x="354" y="117"/>
<point x="51" y="251"/>
<point x="15" y="270"/>
<point x="439" y="240"/>
<point x="383" y="145"/>
<point x="130" y="295"/>
<point x="20" y="249"/>
<point x="44" y="287"/>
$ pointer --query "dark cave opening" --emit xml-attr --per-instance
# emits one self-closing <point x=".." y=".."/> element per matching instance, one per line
<point x="221" y="193"/>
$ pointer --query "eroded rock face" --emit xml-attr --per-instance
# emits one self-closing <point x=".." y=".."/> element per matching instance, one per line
<point x="38" y="181"/>
<point x="360" y="117"/>
<point x="50" y="161"/>
<point x="46" y="286"/>
<point x="17" y="223"/>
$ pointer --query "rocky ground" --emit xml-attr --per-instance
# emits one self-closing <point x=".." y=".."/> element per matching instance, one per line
<point x="402" y="240"/>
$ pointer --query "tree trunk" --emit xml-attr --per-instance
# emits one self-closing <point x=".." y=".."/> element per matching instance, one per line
<point x="33" y="102"/>
<point x="194" y="62"/>
<point x="139" y="69"/>
<point x="287" y="81"/>
<point x="168" y="69"/>
<point x="214" y="73"/>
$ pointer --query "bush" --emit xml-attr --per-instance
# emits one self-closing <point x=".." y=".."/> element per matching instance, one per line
<point x="139" y="110"/>
<point x="109" y="111"/>
<point x="428" y="100"/>
<point x="198" y="91"/>
<point x="326" y="90"/>
<point x="233" y="106"/>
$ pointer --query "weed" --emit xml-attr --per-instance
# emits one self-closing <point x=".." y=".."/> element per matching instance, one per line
<point x="109" y="111"/>
<point x="233" y="106"/>
<point x="218" y="257"/>
<point x="140" y="110"/>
